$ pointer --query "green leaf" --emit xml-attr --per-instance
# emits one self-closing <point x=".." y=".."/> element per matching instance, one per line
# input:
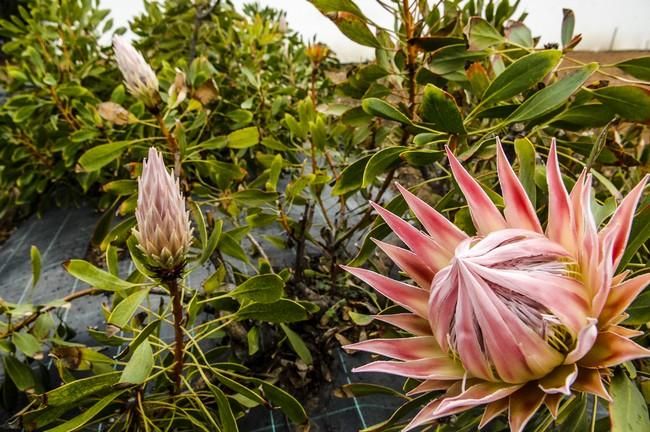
<point x="553" y="96"/>
<point x="35" y="255"/>
<point x="212" y="242"/>
<point x="630" y="102"/>
<point x="254" y="197"/>
<point x="366" y="389"/>
<point x="628" y="412"/>
<point x="383" y="109"/>
<point x="481" y="34"/>
<point x="96" y="277"/>
<point x="87" y="415"/>
<point x="21" y="374"/>
<point x="123" y="312"/>
<point x="140" y="365"/>
<point x="584" y="116"/>
<point x="354" y="28"/>
<point x="452" y="58"/>
<point x="328" y="6"/>
<point x="283" y="310"/>
<point x="351" y="178"/>
<point x="100" y="156"/>
<point x="80" y="389"/>
<point x="265" y="288"/>
<point x="28" y="344"/>
<point x="637" y="67"/>
<point x="244" y="138"/>
<point x="297" y="344"/>
<point x="525" y="151"/>
<point x="521" y="75"/>
<point x="439" y="108"/>
<point x="568" y="23"/>
<point x="421" y="157"/>
<point x="381" y="162"/>
<point x="289" y="405"/>
<point x="639" y="234"/>
<point x="228" y="421"/>
<point x="639" y="310"/>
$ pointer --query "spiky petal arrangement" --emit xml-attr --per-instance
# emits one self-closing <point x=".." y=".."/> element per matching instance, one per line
<point x="513" y="317"/>
<point x="139" y="78"/>
<point x="163" y="225"/>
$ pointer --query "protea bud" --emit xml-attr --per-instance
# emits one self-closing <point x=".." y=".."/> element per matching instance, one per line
<point x="513" y="317"/>
<point x="114" y="113"/>
<point x="139" y="78"/>
<point x="178" y="90"/>
<point x="163" y="225"/>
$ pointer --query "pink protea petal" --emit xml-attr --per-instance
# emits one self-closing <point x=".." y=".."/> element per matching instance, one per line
<point x="612" y="349"/>
<point x="442" y="304"/>
<point x="485" y="214"/>
<point x="560" y="380"/>
<point x="445" y="233"/>
<point x="602" y="279"/>
<point x="624" y="331"/>
<point x="621" y="296"/>
<point x="584" y="342"/>
<point x="438" y="368"/>
<point x="519" y="211"/>
<point x="590" y="381"/>
<point x="424" y="246"/>
<point x="560" y="214"/>
<point x="427" y="386"/>
<point x="413" y="348"/>
<point x="621" y="221"/>
<point x="523" y="405"/>
<point x="552" y="402"/>
<point x="411" y="323"/>
<point x="409" y="262"/>
<point x="479" y="394"/>
<point x="412" y="298"/>
<point x="492" y="410"/>
<point x="425" y="415"/>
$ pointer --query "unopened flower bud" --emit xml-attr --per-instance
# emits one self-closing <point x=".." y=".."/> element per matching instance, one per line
<point x="178" y="89"/>
<point x="139" y="78"/>
<point x="163" y="225"/>
<point x="317" y="52"/>
<point x="114" y="113"/>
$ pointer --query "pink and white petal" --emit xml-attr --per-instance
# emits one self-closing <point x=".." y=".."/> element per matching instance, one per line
<point x="442" y="304"/>
<point x="409" y="262"/>
<point x="413" y="348"/>
<point x="560" y="380"/>
<point x="445" y="233"/>
<point x="439" y="368"/>
<point x="552" y="402"/>
<point x="407" y="322"/>
<point x="421" y="244"/>
<point x="590" y="381"/>
<point x="612" y="349"/>
<point x="584" y="342"/>
<point x="523" y="405"/>
<point x="485" y="214"/>
<point x="412" y="298"/>
<point x="602" y="279"/>
<point x="621" y="221"/>
<point x="427" y="386"/>
<point x="625" y="332"/>
<point x="519" y="211"/>
<point x="478" y="394"/>
<point x="426" y="414"/>
<point x="621" y="296"/>
<point x="492" y="410"/>
<point x="560" y="214"/>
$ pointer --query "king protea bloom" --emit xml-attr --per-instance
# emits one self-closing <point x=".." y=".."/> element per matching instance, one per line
<point x="514" y="317"/>
<point x="139" y="78"/>
<point x="163" y="227"/>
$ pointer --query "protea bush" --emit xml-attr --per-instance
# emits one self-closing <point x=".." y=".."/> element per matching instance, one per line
<point x="517" y="316"/>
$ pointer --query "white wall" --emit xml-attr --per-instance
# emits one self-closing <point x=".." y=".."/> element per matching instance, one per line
<point x="597" y="20"/>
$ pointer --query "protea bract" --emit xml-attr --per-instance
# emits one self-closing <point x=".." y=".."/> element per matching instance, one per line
<point x="516" y="316"/>
<point x="139" y="78"/>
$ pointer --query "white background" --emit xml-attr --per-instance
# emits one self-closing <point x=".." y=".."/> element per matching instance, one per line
<point x="597" y="20"/>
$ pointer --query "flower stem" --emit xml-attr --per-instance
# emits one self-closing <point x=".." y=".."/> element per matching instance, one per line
<point x="179" y="346"/>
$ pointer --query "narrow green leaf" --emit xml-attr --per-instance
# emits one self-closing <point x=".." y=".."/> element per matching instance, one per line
<point x="521" y="75"/>
<point x="265" y="288"/>
<point x="244" y="138"/>
<point x="87" y="415"/>
<point x="630" y="102"/>
<point x="553" y="96"/>
<point x="209" y="247"/>
<point x="289" y="405"/>
<point x="297" y="344"/>
<point x="525" y="151"/>
<point x="101" y="155"/>
<point x="637" y="67"/>
<point x="628" y="412"/>
<point x="35" y="255"/>
<point x="355" y="28"/>
<point x="381" y="162"/>
<point x="383" y="109"/>
<point x="28" y="344"/>
<point x="481" y="34"/>
<point x="568" y="24"/>
<point x="139" y="367"/>
<point x="351" y="178"/>
<point x="228" y="421"/>
<point x="21" y="374"/>
<point x="124" y="311"/>
<point x="639" y="234"/>
<point x="283" y="310"/>
<point x="96" y="277"/>
<point x="439" y="108"/>
<point x="78" y="390"/>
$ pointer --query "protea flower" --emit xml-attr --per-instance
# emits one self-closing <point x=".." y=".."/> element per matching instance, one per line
<point x="139" y="78"/>
<point x="514" y="317"/>
<point x="163" y="225"/>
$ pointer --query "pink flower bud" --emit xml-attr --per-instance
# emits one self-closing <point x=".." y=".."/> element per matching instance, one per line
<point x="139" y="78"/>
<point x="163" y="229"/>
